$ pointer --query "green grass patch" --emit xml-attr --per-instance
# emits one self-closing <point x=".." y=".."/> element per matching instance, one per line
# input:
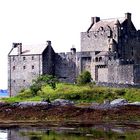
<point x="80" y="94"/>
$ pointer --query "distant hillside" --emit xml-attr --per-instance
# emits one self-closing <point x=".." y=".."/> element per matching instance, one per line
<point x="3" y="92"/>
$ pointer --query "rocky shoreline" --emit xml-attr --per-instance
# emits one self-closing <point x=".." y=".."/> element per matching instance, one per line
<point x="64" y="112"/>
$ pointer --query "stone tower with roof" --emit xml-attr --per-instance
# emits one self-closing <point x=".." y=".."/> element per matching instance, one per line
<point x="110" y="51"/>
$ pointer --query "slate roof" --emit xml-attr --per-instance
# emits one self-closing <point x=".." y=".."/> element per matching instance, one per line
<point x="106" y="23"/>
<point x="102" y="53"/>
<point x="29" y="49"/>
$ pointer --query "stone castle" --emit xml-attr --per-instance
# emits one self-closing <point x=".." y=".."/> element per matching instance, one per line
<point x="110" y="51"/>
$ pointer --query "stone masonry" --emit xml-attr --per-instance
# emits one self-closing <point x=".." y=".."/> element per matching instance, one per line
<point x="110" y="51"/>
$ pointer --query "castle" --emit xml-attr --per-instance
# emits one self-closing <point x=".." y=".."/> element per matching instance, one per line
<point x="110" y="51"/>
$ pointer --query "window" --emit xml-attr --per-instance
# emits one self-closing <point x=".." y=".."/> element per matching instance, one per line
<point x="24" y="58"/>
<point x="14" y="81"/>
<point x="24" y="67"/>
<point x="100" y="58"/>
<point x="14" y="67"/>
<point x="32" y="66"/>
<point x="96" y="59"/>
<point x="32" y="57"/>
<point x="23" y="80"/>
<point x="13" y="58"/>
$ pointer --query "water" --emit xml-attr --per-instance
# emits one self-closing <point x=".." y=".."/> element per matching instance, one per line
<point x="94" y="132"/>
<point x="3" y="93"/>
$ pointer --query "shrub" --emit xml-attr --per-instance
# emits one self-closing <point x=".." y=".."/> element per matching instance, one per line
<point x="42" y="81"/>
<point x="84" y="78"/>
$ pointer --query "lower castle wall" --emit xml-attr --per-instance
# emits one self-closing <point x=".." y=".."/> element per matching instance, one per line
<point x="137" y="74"/>
<point x="65" y="67"/>
<point x="102" y="74"/>
<point x="121" y="74"/>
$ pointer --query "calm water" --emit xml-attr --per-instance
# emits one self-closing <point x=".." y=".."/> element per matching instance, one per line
<point x="95" y="132"/>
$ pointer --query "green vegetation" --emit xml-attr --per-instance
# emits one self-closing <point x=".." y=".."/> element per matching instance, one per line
<point x="42" y="81"/>
<point x="77" y="93"/>
<point x="84" y="78"/>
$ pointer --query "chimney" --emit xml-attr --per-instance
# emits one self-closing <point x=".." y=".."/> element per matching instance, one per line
<point x="73" y="50"/>
<point x="19" y="45"/>
<point x="48" y="43"/>
<point x="95" y="19"/>
<point x="128" y="16"/>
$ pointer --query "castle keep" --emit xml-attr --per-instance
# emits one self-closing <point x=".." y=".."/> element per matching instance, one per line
<point x="110" y="51"/>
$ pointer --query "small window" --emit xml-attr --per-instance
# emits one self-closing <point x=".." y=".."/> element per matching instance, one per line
<point x="32" y="57"/>
<point x="24" y="58"/>
<point x="96" y="59"/>
<point x="32" y="66"/>
<point x="23" y="80"/>
<point x="24" y="67"/>
<point x="13" y="58"/>
<point x="14" y="67"/>
<point x="109" y="58"/>
<point x="14" y="81"/>
<point x="100" y="58"/>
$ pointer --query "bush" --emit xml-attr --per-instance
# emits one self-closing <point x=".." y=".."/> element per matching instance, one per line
<point x="42" y="81"/>
<point x="84" y="78"/>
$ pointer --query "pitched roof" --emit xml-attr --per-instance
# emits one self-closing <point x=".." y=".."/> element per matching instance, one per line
<point x="29" y="49"/>
<point x="106" y="23"/>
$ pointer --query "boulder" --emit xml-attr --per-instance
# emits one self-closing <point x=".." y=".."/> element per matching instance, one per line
<point x="135" y="103"/>
<point x="31" y="103"/>
<point x="118" y="102"/>
<point x="62" y="102"/>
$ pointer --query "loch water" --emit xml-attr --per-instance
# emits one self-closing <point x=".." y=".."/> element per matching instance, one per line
<point x="93" y="132"/>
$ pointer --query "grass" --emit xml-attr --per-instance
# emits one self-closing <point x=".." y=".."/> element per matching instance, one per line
<point x="85" y="93"/>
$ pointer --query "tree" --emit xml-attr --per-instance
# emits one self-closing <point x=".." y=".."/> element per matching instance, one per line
<point x="84" y="78"/>
<point x="42" y="81"/>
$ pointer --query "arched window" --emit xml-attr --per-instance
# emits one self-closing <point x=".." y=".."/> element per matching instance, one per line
<point x="100" y="59"/>
<point x="96" y="59"/>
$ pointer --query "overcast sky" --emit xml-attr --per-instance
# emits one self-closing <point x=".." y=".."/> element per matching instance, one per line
<point x="61" y="21"/>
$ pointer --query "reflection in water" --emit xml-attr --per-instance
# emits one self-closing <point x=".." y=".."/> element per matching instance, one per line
<point x="3" y="135"/>
<point x="95" y="132"/>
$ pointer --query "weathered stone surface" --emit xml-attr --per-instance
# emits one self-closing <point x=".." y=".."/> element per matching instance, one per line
<point x="109" y="51"/>
<point x="118" y="102"/>
<point x="62" y="102"/>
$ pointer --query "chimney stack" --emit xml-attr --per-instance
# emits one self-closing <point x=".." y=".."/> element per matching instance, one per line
<point x="95" y="19"/>
<point x="18" y="46"/>
<point x="128" y="16"/>
<point x="48" y="43"/>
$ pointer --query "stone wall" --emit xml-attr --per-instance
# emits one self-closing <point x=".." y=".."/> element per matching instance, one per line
<point x="102" y="74"/>
<point x="137" y="74"/>
<point x="65" y="67"/>
<point x="48" y="61"/>
<point x="22" y="70"/>
<point x="94" y="41"/>
<point x="120" y="73"/>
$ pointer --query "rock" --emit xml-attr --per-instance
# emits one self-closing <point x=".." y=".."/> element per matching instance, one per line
<point x="118" y="102"/>
<point x="105" y="105"/>
<point x="62" y="102"/>
<point x="31" y="103"/>
<point x="135" y="103"/>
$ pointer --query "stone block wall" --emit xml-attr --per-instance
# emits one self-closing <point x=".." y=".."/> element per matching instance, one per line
<point x="65" y="67"/>
<point x="102" y="74"/>
<point x="136" y="74"/>
<point x="121" y="73"/>
<point x="48" y="61"/>
<point x="94" y="41"/>
<point x="22" y="70"/>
